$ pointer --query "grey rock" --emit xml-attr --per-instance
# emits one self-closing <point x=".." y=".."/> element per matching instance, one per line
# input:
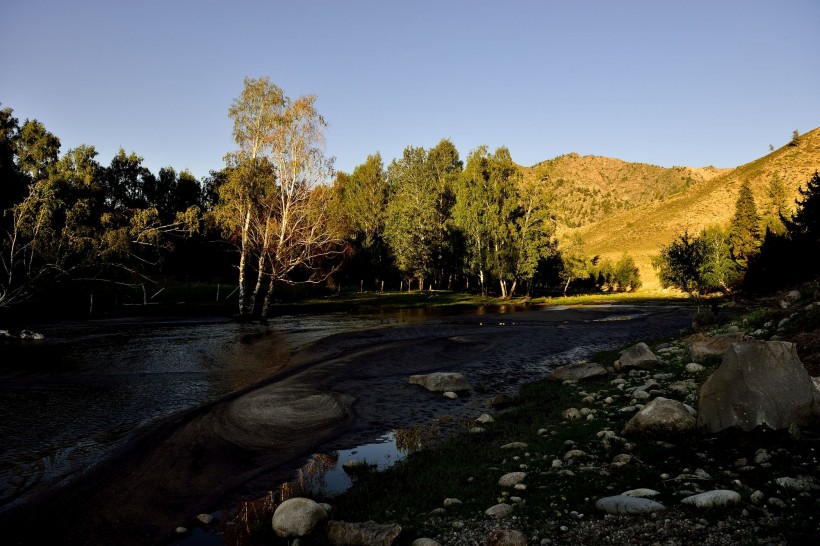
<point x="442" y="382"/>
<point x="451" y="501"/>
<point x="626" y="505"/>
<point x="638" y="356"/>
<point x="661" y="417"/>
<point x="757" y="497"/>
<point x="713" y="499"/>
<point x="424" y="542"/>
<point x="512" y="478"/>
<point x="297" y="517"/>
<point x="571" y="414"/>
<point x="205" y="519"/>
<point x="694" y="367"/>
<point x="641" y="493"/>
<point x="485" y="418"/>
<point x="499" y="511"/>
<point x="758" y="383"/>
<point x="451" y="395"/>
<point x="577" y="371"/>
<point x="702" y="346"/>
<point x="796" y="484"/>
<point x="369" y="533"/>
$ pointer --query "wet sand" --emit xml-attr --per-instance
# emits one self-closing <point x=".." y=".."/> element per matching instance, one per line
<point x="343" y="390"/>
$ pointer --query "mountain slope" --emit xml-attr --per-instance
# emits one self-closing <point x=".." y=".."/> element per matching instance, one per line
<point x="642" y="230"/>
<point x="587" y="189"/>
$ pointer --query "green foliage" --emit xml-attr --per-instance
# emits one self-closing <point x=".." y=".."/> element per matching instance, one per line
<point x="679" y="264"/>
<point x="744" y="233"/>
<point x="794" y="256"/>
<point x="777" y="209"/>
<point x="411" y="223"/>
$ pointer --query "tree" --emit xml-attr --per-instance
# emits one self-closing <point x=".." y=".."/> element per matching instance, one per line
<point x="574" y="260"/>
<point x="269" y="203"/>
<point x="485" y="212"/>
<point x="744" y="233"/>
<point x="795" y="138"/>
<point x="12" y="179"/>
<point x="680" y="264"/>
<point x="533" y="229"/>
<point x="360" y="203"/>
<point x="445" y="166"/>
<point x="794" y="256"/>
<point x="125" y="181"/>
<point x="625" y="274"/>
<point x="717" y="271"/>
<point x="777" y="209"/>
<point x="411" y="222"/>
<point x="37" y="150"/>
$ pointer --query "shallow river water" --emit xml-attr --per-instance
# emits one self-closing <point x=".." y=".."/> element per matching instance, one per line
<point x="68" y="400"/>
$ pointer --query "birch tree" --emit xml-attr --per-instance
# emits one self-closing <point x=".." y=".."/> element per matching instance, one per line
<point x="269" y="204"/>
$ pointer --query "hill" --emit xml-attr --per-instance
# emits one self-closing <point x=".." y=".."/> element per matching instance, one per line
<point x="588" y="189"/>
<point x="656" y="204"/>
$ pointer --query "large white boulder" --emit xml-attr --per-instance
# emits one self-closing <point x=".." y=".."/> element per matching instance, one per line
<point x="297" y="517"/>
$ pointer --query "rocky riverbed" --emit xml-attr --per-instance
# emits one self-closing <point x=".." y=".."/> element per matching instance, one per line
<point x="628" y="452"/>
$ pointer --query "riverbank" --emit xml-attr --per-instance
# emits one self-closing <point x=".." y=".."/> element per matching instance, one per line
<point x="568" y="441"/>
<point x="347" y="388"/>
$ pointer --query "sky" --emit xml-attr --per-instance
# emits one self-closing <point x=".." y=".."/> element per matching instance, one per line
<point x="670" y="83"/>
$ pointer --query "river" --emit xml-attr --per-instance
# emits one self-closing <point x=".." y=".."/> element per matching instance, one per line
<point x="143" y="390"/>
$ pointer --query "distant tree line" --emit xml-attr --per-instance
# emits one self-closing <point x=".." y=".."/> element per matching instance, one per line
<point x="78" y="233"/>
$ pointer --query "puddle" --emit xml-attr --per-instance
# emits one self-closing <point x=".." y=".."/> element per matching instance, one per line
<point x="323" y="476"/>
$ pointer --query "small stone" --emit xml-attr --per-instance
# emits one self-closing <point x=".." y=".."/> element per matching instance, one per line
<point x="477" y="430"/>
<point x="571" y="414"/>
<point x="451" y="502"/>
<point x="774" y="502"/>
<point x="626" y="505"/>
<point x="520" y="487"/>
<point x="499" y="511"/>
<point x="511" y="479"/>
<point x="485" y="418"/>
<point x="694" y="367"/>
<point x="642" y="493"/>
<point x="181" y="530"/>
<point x="205" y="519"/>
<point x="757" y="497"/>
<point x="712" y="499"/>
<point x="541" y="431"/>
<point x="451" y="395"/>
<point x="514" y="445"/>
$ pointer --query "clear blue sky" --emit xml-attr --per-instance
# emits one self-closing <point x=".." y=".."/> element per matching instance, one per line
<point x="665" y="82"/>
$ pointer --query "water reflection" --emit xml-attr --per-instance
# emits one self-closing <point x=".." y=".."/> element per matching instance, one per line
<point x="324" y="476"/>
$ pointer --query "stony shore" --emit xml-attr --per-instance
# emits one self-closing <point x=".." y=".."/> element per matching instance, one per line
<point x="587" y="471"/>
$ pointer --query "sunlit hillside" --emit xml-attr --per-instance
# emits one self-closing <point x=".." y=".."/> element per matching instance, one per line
<point x="641" y="230"/>
<point x="590" y="188"/>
